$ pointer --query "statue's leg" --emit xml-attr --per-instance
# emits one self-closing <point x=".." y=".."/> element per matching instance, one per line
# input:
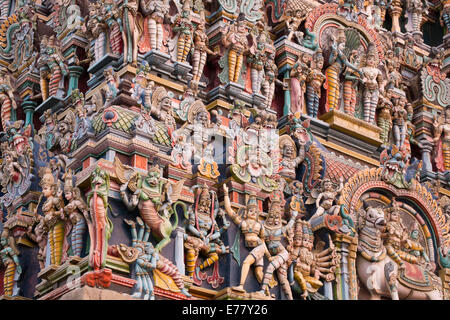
<point x="373" y="104"/>
<point x="254" y="77"/>
<point x="333" y="87"/>
<point x="187" y="47"/>
<point x="191" y="258"/>
<point x="446" y="154"/>
<point x="232" y="57"/>
<point x="390" y="275"/>
<point x="310" y="100"/>
<point x="211" y="258"/>
<point x="138" y="286"/>
<point x="237" y="71"/>
<point x="8" y="279"/>
<point x="54" y="81"/>
<point x="152" y="33"/>
<point x="77" y="237"/>
<point x="115" y="39"/>
<point x="348" y="97"/>
<point x="159" y="35"/>
<point x="282" y="276"/>
<point x="180" y="47"/>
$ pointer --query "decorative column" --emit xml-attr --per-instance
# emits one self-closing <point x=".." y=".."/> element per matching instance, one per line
<point x="328" y="290"/>
<point x="74" y="72"/>
<point x="179" y="249"/>
<point x="28" y="107"/>
<point x="346" y="280"/>
<point x="395" y="11"/>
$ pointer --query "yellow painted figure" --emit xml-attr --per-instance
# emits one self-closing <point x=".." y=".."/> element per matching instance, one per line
<point x="10" y="261"/>
<point x="236" y="40"/>
<point x="52" y="216"/>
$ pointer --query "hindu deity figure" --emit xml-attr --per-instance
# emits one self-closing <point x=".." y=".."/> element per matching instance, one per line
<point x="236" y="40"/>
<point x="142" y="90"/>
<point x="274" y="232"/>
<point x="9" y="256"/>
<point x="130" y="31"/>
<point x="201" y="51"/>
<point x="99" y="224"/>
<point x="445" y="15"/>
<point x="291" y="157"/>
<point x="40" y="236"/>
<point x="326" y="198"/>
<point x="298" y="76"/>
<point x="338" y="60"/>
<point x="399" y="125"/>
<point x="183" y="25"/>
<point x="112" y="83"/>
<point x="372" y="81"/>
<point x="162" y="108"/>
<point x="413" y="247"/>
<point x="379" y="12"/>
<point x="52" y="67"/>
<point x="294" y="21"/>
<point x="416" y="9"/>
<point x="253" y="232"/>
<point x="270" y="79"/>
<point x="314" y="81"/>
<point x="111" y="16"/>
<point x="157" y="13"/>
<point x="147" y="259"/>
<point x="397" y="236"/>
<point x="97" y="27"/>
<point x="308" y="265"/>
<point x="442" y="145"/>
<point x="76" y="212"/>
<point x="384" y="120"/>
<point x="155" y="198"/>
<point x="392" y="69"/>
<point x="296" y="202"/>
<point x="7" y="101"/>
<point x="203" y="233"/>
<point x="52" y="215"/>
<point x="256" y="59"/>
<point x="350" y="86"/>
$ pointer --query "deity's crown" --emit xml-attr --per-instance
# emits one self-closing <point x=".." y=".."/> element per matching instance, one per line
<point x="46" y="177"/>
<point x="252" y="202"/>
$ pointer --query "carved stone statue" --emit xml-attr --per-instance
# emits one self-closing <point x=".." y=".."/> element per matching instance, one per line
<point x="236" y="40"/>
<point x="441" y="140"/>
<point x="372" y="81"/>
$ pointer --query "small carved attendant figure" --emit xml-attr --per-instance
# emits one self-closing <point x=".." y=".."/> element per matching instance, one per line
<point x="7" y="101"/>
<point x="385" y="116"/>
<point x="400" y="118"/>
<point x="201" y="52"/>
<point x="290" y="159"/>
<point x="298" y="83"/>
<point x="183" y="25"/>
<point x="294" y="21"/>
<point x="253" y="232"/>
<point x="273" y="235"/>
<point x="40" y="236"/>
<point x="110" y="13"/>
<point x="351" y="81"/>
<point x="270" y="79"/>
<point x="256" y="59"/>
<point x="97" y="27"/>
<point x="130" y="31"/>
<point x="414" y="247"/>
<point x="327" y="197"/>
<point x="314" y="82"/>
<point x="236" y="40"/>
<point x="53" y="222"/>
<point x="77" y="212"/>
<point x="372" y="79"/>
<point x="157" y="12"/>
<point x="442" y="129"/>
<point x="8" y="255"/>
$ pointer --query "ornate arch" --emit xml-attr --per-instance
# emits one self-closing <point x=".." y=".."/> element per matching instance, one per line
<point x="426" y="209"/>
<point x="319" y="17"/>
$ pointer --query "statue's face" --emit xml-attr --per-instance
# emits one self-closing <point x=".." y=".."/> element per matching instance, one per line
<point x="241" y="26"/>
<point x="202" y="117"/>
<point x="307" y="243"/>
<point x="152" y="178"/>
<point x="204" y="205"/>
<point x="252" y="213"/>
<point x="328" y="186"/>
<point x="166" y="103"/>
<point x="415" y="234"/>
<point x="47" y="190"/>
<point x="68" y="195"/>
<point x="274" y="217"/>
<point x="288" y="151"/>
<point x="319" y="63"/>
<point x="394" y="215"/>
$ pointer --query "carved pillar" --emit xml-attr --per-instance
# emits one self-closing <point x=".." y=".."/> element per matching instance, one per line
<point x="346" y="282"/>
<point x="445" y="277"/>
<point x="29" y="107"/>
<point x="328" y="290"/>
<point x="74" y="72"/>
<point x="395" y="11"/>
<point x="179" y="249"/>
<point x="427" y="148"/>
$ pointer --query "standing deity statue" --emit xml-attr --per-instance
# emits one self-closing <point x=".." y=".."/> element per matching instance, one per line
<point x="76" y="213"/>
<point x="416" y="10"/>
<point x="236" y="40"/>
<point x="256" y="59"/>
<point x="52" y="67"/>
<point x="40" y="236"/>
<point x="10" y="261"/>
<point x="399" y="121"/>
<point x="203" y="233"/>
<point x="130" y="31"/>
<point x="384" y="120"/>
<point x="274" y="232"/>
<point x="291" y="157"/>
<point x="97" y="27"/>
<point x="162" y="108"/>
<point x="201" y="52"/>
<point x="413" y="247"/>
<point x="253" y="232"/>
<point x="270" y="79"/>
<point x="298" y="76"/>
<point x="441" y="140"/>
<point x="293" y="22"/>
<point x="346" y="41"/>
<point x="445" y="15"/>
<point x="7" y="101"/>
<point x="99" y="224"/>
<point x="350" y="86"/>
<point x="52" y="216"/>
<point x="112" y="83"/>
<point x="111" y="16"/>
<point x="183" y="25"/>
<point x="147" y="259"/>
<point x="372" y="82"/>
<point x="394" y="77"/>
<point x="314" y="81"/>
<point x="157" y="13"/>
